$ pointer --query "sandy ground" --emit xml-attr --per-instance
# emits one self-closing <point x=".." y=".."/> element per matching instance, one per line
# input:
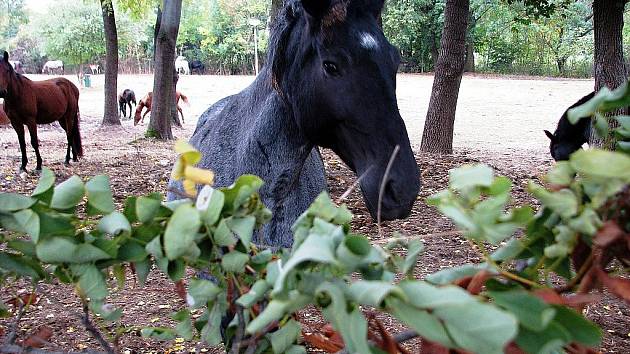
<point x="493" y="113"/>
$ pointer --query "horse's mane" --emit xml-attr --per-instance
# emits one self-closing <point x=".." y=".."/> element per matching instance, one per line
<point x="279" y="41"/>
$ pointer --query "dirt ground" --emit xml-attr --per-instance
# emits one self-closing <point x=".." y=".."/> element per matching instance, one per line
<point x="499" y="122"/>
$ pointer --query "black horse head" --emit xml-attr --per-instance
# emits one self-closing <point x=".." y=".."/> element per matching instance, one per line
<point x="336" y="70"/>
<point x="568" y="138"/>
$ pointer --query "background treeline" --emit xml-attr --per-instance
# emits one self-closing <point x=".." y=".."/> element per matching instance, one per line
<point x="502" y="36"/>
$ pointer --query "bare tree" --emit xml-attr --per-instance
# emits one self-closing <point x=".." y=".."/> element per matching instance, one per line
<point x="164" y="78"/>
<point x="110" y="116"/>
<point x="438" y="128"/>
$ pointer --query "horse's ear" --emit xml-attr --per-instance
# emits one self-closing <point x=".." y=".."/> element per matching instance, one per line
<point x="5" y="56"/>
<point x="316" y="8"/>
<point x="550" y="135"/>
<point x="375" y="7"/>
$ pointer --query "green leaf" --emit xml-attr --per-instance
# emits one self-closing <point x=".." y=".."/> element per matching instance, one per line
<point x="99" y="194"/>
<point x="420" y="321"/>
<point x="147" y="208"/>
<point x="531" y="312"/>
<point x="284" y="338"/>
<point x="68" y="194"/>
<point x="92" y="283"/>
<point x="373" y="293"/>
<point x="13" y="202"/>
<point x="241" y="190"/>
<point x="316" y="248"/>
<point x="255" y="294"/>
<point x="184" y="326"/>
<point x="21" y="265"/>
<point x="510" y="250"/>
<point x="223" y="236"/>
<point x="114" y="223"/>
<point x="581" y="330"/>
<point x="181" y="230"/>
<point x="426" y="296"/>
<point x="449" y="275"/>
<point x="478" y="175"/>
<point x="211" y="332"/>
<point x="234" y="262"/>
<point x="62" y="250"/>
<point x="549" y="341"/>
<point x="55" y="225"/>
<point x="601" y="163"/>
<point x="348" y="320"/>
<point x="564" y="202"/>
<point x="492" y="331"/>
<point x="210" y="203"/>
<point x="132" y="252"/>
<point x="201" y="291"/>
<point x="44" y="189"/>
<point x="561" y="174"/>
<point x="158" y="333"/>
<point x="276" y="309"/>
<point x="29" y="223"/>
<point x="142" y="270"/>
<point x="243" y="228"/>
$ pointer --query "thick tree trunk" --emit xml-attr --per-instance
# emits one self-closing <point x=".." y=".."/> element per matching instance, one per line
<point x="438" y="128"/>
<point x="469" y="67"/>
<point x="610" y="70"/>
<point x="156" y="31"/>
<point x="276" y="6"/>
<point x="163" y="82"/>
<point x="110" y="112"/>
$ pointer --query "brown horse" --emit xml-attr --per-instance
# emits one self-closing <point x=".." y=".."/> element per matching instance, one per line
<point x="146" y="101"/>
<point x="30" y="103"/>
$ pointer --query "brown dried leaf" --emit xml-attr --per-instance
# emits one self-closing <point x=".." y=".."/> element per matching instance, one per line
<point x="322" y="342"/>
<point x="616" y="285"/>
<point x="609" y="233"/>
<point x="478" y="281"/>
<point x="38" y="338"/>
<point x="180" y="289"/>
<point x="24" y="300"/>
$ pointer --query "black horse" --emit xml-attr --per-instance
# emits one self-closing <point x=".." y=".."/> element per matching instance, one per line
<point x="126" y="98"/>
<point x="198" y="67"/>
<point x="568" y="138"/>
<point x="330" y="81"/>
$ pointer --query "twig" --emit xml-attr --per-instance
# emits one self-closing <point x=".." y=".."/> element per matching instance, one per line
<point x="382" y="189"/>
<point x="95" y="332"/>
<point x="178" y="193"/>
<point x="12" y="336"/>
<point x="405" y="336"/>
<point x="353" y="186"/>
<point x="236" y="342"/>
<point x="16" y="349"/>
<point x="578" y="277"/>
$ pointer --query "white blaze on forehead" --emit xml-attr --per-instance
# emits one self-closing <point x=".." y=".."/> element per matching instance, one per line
<point x="368" y="41"/>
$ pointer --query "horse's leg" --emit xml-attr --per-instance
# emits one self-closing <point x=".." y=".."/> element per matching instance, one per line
<point x="19" y="129"/>
<point x="32" y="130"/>
<point x="129" y="103"/>
<point x="145" y="114"/>
<point x="181" y="112"/>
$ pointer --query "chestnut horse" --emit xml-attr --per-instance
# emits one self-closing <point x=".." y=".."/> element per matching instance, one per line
<point x="146" y="101"/>
<point x="30" y="103"/>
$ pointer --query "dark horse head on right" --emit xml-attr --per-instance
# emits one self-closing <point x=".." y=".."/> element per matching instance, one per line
<point x="568" y="138"/>
<point x="345" y="97"/>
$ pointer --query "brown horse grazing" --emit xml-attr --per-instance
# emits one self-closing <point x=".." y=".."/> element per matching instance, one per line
<point x="30" y="103"/>
<point x="4" y="120"/>
<point x="146" y="101"/>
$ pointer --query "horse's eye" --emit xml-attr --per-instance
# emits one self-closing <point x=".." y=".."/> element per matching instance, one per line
<point x="331" y="68"/>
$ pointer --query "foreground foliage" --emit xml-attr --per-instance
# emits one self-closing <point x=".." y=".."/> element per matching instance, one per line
<point x="539" y="270"/>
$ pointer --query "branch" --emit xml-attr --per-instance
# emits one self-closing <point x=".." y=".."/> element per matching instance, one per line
<point x="16" y="349"/>
<point x="95" y="332"/>
<point x="12" y="336"/>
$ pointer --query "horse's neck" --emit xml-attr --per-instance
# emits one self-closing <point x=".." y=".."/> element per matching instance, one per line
<point x="17" y="89"/>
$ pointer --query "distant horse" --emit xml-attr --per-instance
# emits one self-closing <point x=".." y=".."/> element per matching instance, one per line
<point x="4" y="120"/>
<point x="126" y="98"/>
<point x="30" y="103"/>
<point x="146" y="102"/>
<point x="181" y="65"/>
<point x="17" y="66"/>
<point x="568" y="138"/>
<point x="53" y="66"/>
<point x="95" y="69"/>
<point x="330" y="81"/>
<point x="198" y="67"/>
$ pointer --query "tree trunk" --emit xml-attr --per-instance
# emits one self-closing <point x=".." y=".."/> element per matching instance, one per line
<point x="163" y="82"/>
<point x="438" y="128"/>
<point x="276" y="6"/>
<point x="469" y="67"/>
<point x="110" y="116"/>
<point x="156" y="31"/>
<point x="610" y="70"/>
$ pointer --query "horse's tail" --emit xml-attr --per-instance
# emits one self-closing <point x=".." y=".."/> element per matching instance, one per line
<point x="184" y="98"/>
<point x="76" y="135"/>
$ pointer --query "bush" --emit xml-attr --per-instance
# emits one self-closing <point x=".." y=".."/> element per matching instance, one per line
<point x="517" y="298"/>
